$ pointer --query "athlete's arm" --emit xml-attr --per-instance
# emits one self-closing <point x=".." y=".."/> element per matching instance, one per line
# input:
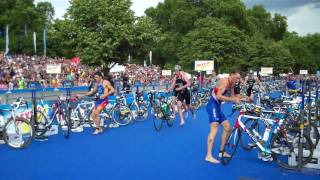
<point x="94" y="90"/>
<point x="221" y="89"/>
<point x="111" y="89"/>
<point x="188" y="84"/>
<point x="173" y="83"/>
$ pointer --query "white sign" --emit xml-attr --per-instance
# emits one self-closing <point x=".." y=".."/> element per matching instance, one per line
<point x="303" y="71"/>
<point x="54" y="68"/>
<point x="204" y="65"/>
<point x="266" y="70"/>
<point x="209" y="72"/>
<point x="166" y="72"/>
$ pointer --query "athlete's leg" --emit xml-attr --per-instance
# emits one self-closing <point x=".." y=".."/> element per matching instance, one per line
<point x="225" y="134"/>
<point x="213" y="131"/>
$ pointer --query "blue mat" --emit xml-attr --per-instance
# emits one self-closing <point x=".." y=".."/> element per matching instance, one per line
<point x="137" y="151"/>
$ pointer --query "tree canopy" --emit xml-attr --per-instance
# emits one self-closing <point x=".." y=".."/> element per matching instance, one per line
<point x="104" y="32"/>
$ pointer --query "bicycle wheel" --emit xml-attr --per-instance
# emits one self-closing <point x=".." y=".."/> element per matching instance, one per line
<point x="245" y="141"/>
<point x="43" y="124"/>
<point x="170" y="118"/>
<point x="284" y="149"/>
<point x="18" y="133"/>
<point x="139" y="111"/>
<point x="315" y="136"/>
<point x="122" y="115"/>
<point x="64" y="125"/>
<point x="157" y="118"/>
<point x="230" y="148"/>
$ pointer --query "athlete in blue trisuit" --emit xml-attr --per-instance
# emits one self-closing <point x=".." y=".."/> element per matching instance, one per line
<point x="103" y="89"/>
<point x="216" y="117"/>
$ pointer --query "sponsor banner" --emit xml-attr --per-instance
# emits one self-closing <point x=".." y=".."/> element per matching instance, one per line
<point x="203" y="65"/>
<point x="166" y="72"/>
<point x="54" y="68"/>
<point x="266" y="70"/>
<point x="303" y="71"/>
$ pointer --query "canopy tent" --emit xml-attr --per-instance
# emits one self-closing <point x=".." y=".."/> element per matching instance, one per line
<point x="118" y="68"/>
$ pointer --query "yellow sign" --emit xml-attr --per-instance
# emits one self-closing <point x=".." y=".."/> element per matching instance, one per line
<point x="204" y="65"/>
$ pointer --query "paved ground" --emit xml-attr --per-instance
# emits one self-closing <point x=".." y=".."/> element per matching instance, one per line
<point x="139" y="152"/>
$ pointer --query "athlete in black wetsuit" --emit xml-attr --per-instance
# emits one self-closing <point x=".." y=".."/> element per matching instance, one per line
<point x="251" y="81"/>
<point x="179" y="86"/>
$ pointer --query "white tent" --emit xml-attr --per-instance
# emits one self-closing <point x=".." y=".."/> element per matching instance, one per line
<point x="117" y="68"/>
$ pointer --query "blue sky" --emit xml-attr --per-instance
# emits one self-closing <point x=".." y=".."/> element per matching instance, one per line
<point x="303" y="15"/>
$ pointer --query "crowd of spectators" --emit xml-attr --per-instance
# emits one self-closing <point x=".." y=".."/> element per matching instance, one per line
<point x="17" y="71"/>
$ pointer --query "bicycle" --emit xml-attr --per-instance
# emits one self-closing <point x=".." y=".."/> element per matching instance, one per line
<point x="17" y="132"/>
<point x="276" y="141"/>
<point x="58" y="113"/>
<point x="162" y="112"/>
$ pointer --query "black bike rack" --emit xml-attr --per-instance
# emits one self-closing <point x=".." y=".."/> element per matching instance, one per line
<point x="117" y="85"/>
<point x="33" y="86"/>
<point x="300" y="148"/>
<point x="68" y="85"/>
<point x="167" y="84"/>
<point x="153" y="85"/>
<point x="137" y="84"/>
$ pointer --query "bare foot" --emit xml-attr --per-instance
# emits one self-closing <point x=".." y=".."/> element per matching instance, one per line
<point x="224" y="155"/>
<point x="212" y="160"/>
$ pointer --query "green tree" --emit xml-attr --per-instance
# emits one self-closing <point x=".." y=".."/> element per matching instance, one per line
<point x="213" y="40"/>
<point x="103" y="30"/>
<point x="23" y="19"/>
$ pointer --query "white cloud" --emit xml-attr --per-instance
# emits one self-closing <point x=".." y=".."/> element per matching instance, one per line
<point x="305" y="20"/>
<point x="138" y="6"/>
<point x="302" y="19"/>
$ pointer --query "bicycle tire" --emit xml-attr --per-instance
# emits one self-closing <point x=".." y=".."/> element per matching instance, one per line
<point x="283" y="138"/>
<point x="121" y="119"/>
<point x="25" y="125"/>
<point x="170" y="120"/>
<point x="315" y="135"/>
<point x="46" y="125"/>
<point x="232" y="142"/>
<point x="254" y="125"/>
<point x="157" y="119"/>
<point x="141" y="117"/>
<point x="65" y="127"/>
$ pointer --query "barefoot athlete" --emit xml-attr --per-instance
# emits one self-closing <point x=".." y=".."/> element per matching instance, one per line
<point x="216" y="117"/>
<point x="179" y="85"/>
<point x="103" y="89"/>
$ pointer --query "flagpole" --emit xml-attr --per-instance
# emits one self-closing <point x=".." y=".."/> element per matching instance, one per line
<point x="150" y="54"/>
<point x="34" y="42"/>
<point x="44" y="42"/>
<point x="7" y="40"/>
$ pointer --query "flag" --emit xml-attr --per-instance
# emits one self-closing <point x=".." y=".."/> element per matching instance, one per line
<point x="34" y="42"/>
<point x="7" y="40"/>
<point x="44" y="42"/>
